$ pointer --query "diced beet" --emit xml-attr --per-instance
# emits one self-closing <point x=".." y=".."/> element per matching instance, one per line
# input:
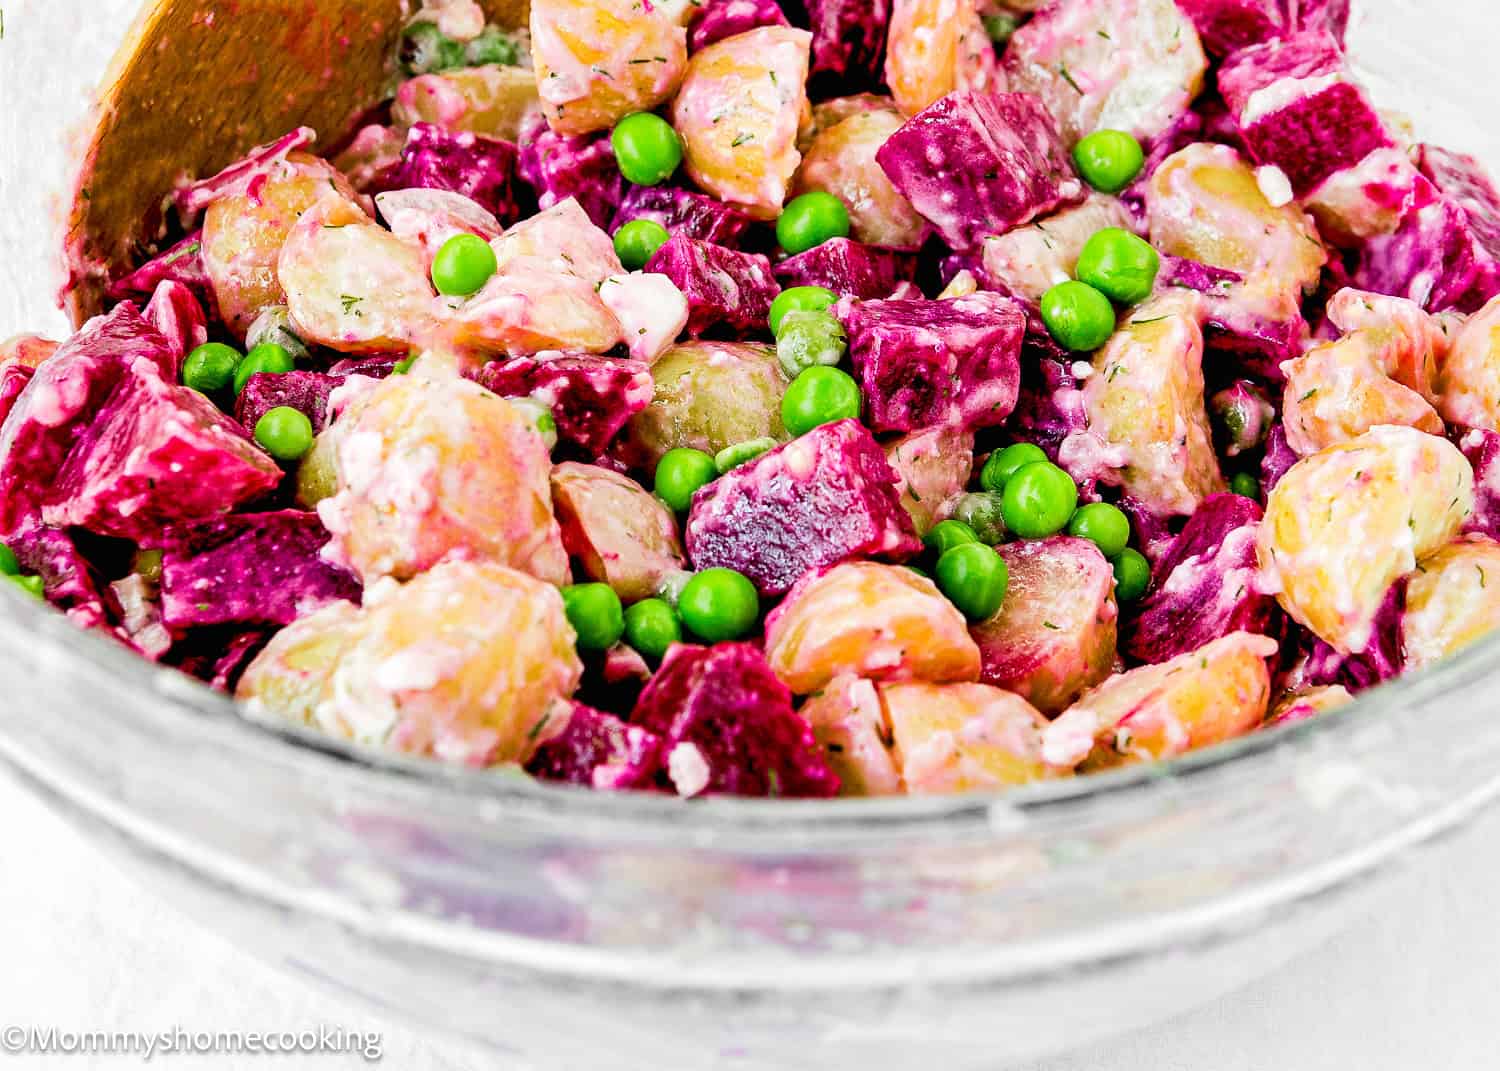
<point x="727" y="727"/>
<point x="849" y="38"/>
<point x="1204" y="585"/>
<point x="481" y="168"/>
<point x="1482" y="448"/>
<point x="13" y="380"/>
<point x="683" y="212"/>
<point x="818" y="500"/>
<point x="949" y="363"/>
<point x="1329" y="15"/>
<point x="599" y="751"/>
<point x="182" y="263"/>
<point x="848" y="267"/>
<point x="718" y="19"/>
<point x="1153" y="534"/>
<point x="218" y="657"/>
<point x="1298" y="109"/>
<point x="1379" y="662"/>
<point x="1226" y="26"/>
<point x="978" y="163"/>
<point x="724" y="287"/>
<point x="68" y="580"/>
<point x="175" y="312"/>
<point x="1278" y="460"/>
<point x="156" y="454"/>
<point x="591" y="398"/>
<point x="242" y="175"/>
<point x="1257" y="341"/>
<point x="60" y="401"/>
<point x="1178" y="273"/>
<point x="249" y="569"/>
<point x="558" y="167"/>
<point x="374" y="367"/>
<point x="306" y="392"/>
<point x="1049" y="404"/>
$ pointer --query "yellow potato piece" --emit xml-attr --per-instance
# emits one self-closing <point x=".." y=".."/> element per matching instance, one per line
<point x="849" y="722"/>
<point x="1469" y="384"/>
<point x="620" y="533"/>
<point x="1301" y="706"/>
<point x="933" y="466"/>
<point x="1452" y="601"/>
<point x="829" y="113"/>
<point x="934" y="48"/>
<point x="1344" y="524"/>
<point x="1205" y="697"/>
<point x="738" y="113"/>
<point x="951" y="738"/>
<point x="289" y="678"/>
<point x="1339" y="390"/>
<point x="841" y="161"/>
<point x="437" y="469"/>
<point x="494" y="101"/>
<point x="883" y="622"/>
<point x="563" y="240"/>
<point x="530" y="309"/>
<point x="1411" y="345"/>
<point x="1031" y="260"/>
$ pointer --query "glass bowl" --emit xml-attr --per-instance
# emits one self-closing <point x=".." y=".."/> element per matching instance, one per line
<point x="582" y="930"/>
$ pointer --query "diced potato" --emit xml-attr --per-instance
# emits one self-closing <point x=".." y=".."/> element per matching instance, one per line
<point x="741" y="104"/>
<point x="1309" y="704"/>
<point x="1339" y="390"/>
<point x="243" y="235"/>
<point x="621" y="534"/>
<point x="435" y="469"/>
<point x="1145" y="402"/>
<point x="849" y="721"/>
<point x="841" y="161"/>
<point x="1410" y="344"/>
<point x="933" y="466"/>
<point x="598" y="61"/>
<point x="317" y="473"/>
<point x="709" y="395"/>
<point x="28" y="351"/>
<point x="352" y="285"/>
<point x="530" y="309"/>
<point x="1031" y="260"/>
<point x="1469" y="385"/>
<point x="428" y="218"/>
<point x="471" y="663"/>
<point x="291" y="676"/>
<point x="494" y="101"/>
<point x="952" y="738"/>
<point x="1342" y="525"/>
<point x="1205" y="697"/>
<point x="561" y="239"/>
<point x="1054" y="637"/>
<point x="1452" y="601"/>
<point x="882" y="622"/>
<point x="373" y="149"/>
<point x="934" y="48"/>
<point x="830" y="113"/>
<point x="651" y="310"/>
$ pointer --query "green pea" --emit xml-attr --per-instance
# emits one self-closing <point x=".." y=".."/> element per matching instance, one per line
<point x="596" y="615"/>
<point x="647" y="149"/>
<point x="810" y="220"/>
<point x="732" y="457"/>
<point x="286" y="433"/>
<point x="493" y="46"/>
<point x="974" y="578"/>
<point x="1079" y="317"/>
<point x="541" y="418"/>
<point x="1132" y="575"/>
<point x="985" y="513"/>
<point x="1103" y="525"/>
<point x="210" y="368"/>
<point x="9" y="566"/>
<point x="463" y="265"/>
<point x="1242" y="483"/>
<point x="651" y="626"/>
<point x="403" y="366"/>
<point x="34" y="585"/>
<point x="1000" y="28"/>
<point x="948" y="534"/>
<point x="819" y="396"/>
<point x="425" y="48"/>
<point x="680" y="472"/>
<point x="1003" y="464"/>
<point x="800" y="299"/>
<point x="1119" y="265"/>
<point x="1039" y="500"/>
<point x="637" y="242"/>
<point x="808" y="339"/>
<point x="1109" y="160"/>
<point x="268" y="357"/>
<point x="718" y="605"/>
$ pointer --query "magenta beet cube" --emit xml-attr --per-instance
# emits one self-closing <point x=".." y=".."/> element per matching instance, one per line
<point x="949" y="363"/>
<point x="482" y="169"/>
<point x="1225" y="26"/>
<point x="182" y="263"/>
<point x="1299" y="109"/>
<point x="978" y="163"/>
<point x="175" y="312"/>
<point x="848" y="267"/>
<point x="849" y="37"/>
<point x="591" y="398"/>
<point x="69" y="582"/>
<point x="558" y="167"/>
<point x="683" y="212"/>
<point x="249" y="569"/>
<point x="819" y="500"/>
<point x="724" y="287"/>
<point x="1380" y="662"/>
<point x="155" y="455"/>
<point x="727" y="727"/>
<point x="62" y="398"/>
<point x="718" y="19"/>
<point x="1331" y="16"/>
<point x="1204" y="585"/>
<point x="306" y="392"/>
<point x="1482" y="447"/>
<point x="599" y="751"/>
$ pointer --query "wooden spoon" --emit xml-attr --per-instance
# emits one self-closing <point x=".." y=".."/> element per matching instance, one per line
<point x="195" y="85"/>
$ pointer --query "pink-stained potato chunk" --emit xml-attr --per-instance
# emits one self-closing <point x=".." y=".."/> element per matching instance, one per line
<point x="952" y="738"/>
<point x="1339" y="390"/>
<point x="440" y="468"/>
<point x="529" y="311"/>
<point x="1452" y="601"/>
<point x="934" y="48"/>
<point x="933" y="466"/>
<point x="1030" y="260"/>
<point x="1414" y="343"/>
<point x="651" y="310"/>
<point x="561" y="239"/>
<point x="1342" y="525"/>
<point x="620" y="533"/>
<point x="841" y="161"/>
<point x="493" y="101"/>
<point x="848" y="719"/>
<point x="1302" y="706"/>
<point x="598" y="61"/>
<point x="1469" y="383"/>
<point x="738" y="113"/>
<point x="1155" y="712"/>
<point x="882" y="622"/>
<point x="428" y="218"/>
<point x="289" y="678"/>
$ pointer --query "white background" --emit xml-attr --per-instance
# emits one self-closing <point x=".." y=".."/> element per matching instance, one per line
<point x="1414" y="985"/>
